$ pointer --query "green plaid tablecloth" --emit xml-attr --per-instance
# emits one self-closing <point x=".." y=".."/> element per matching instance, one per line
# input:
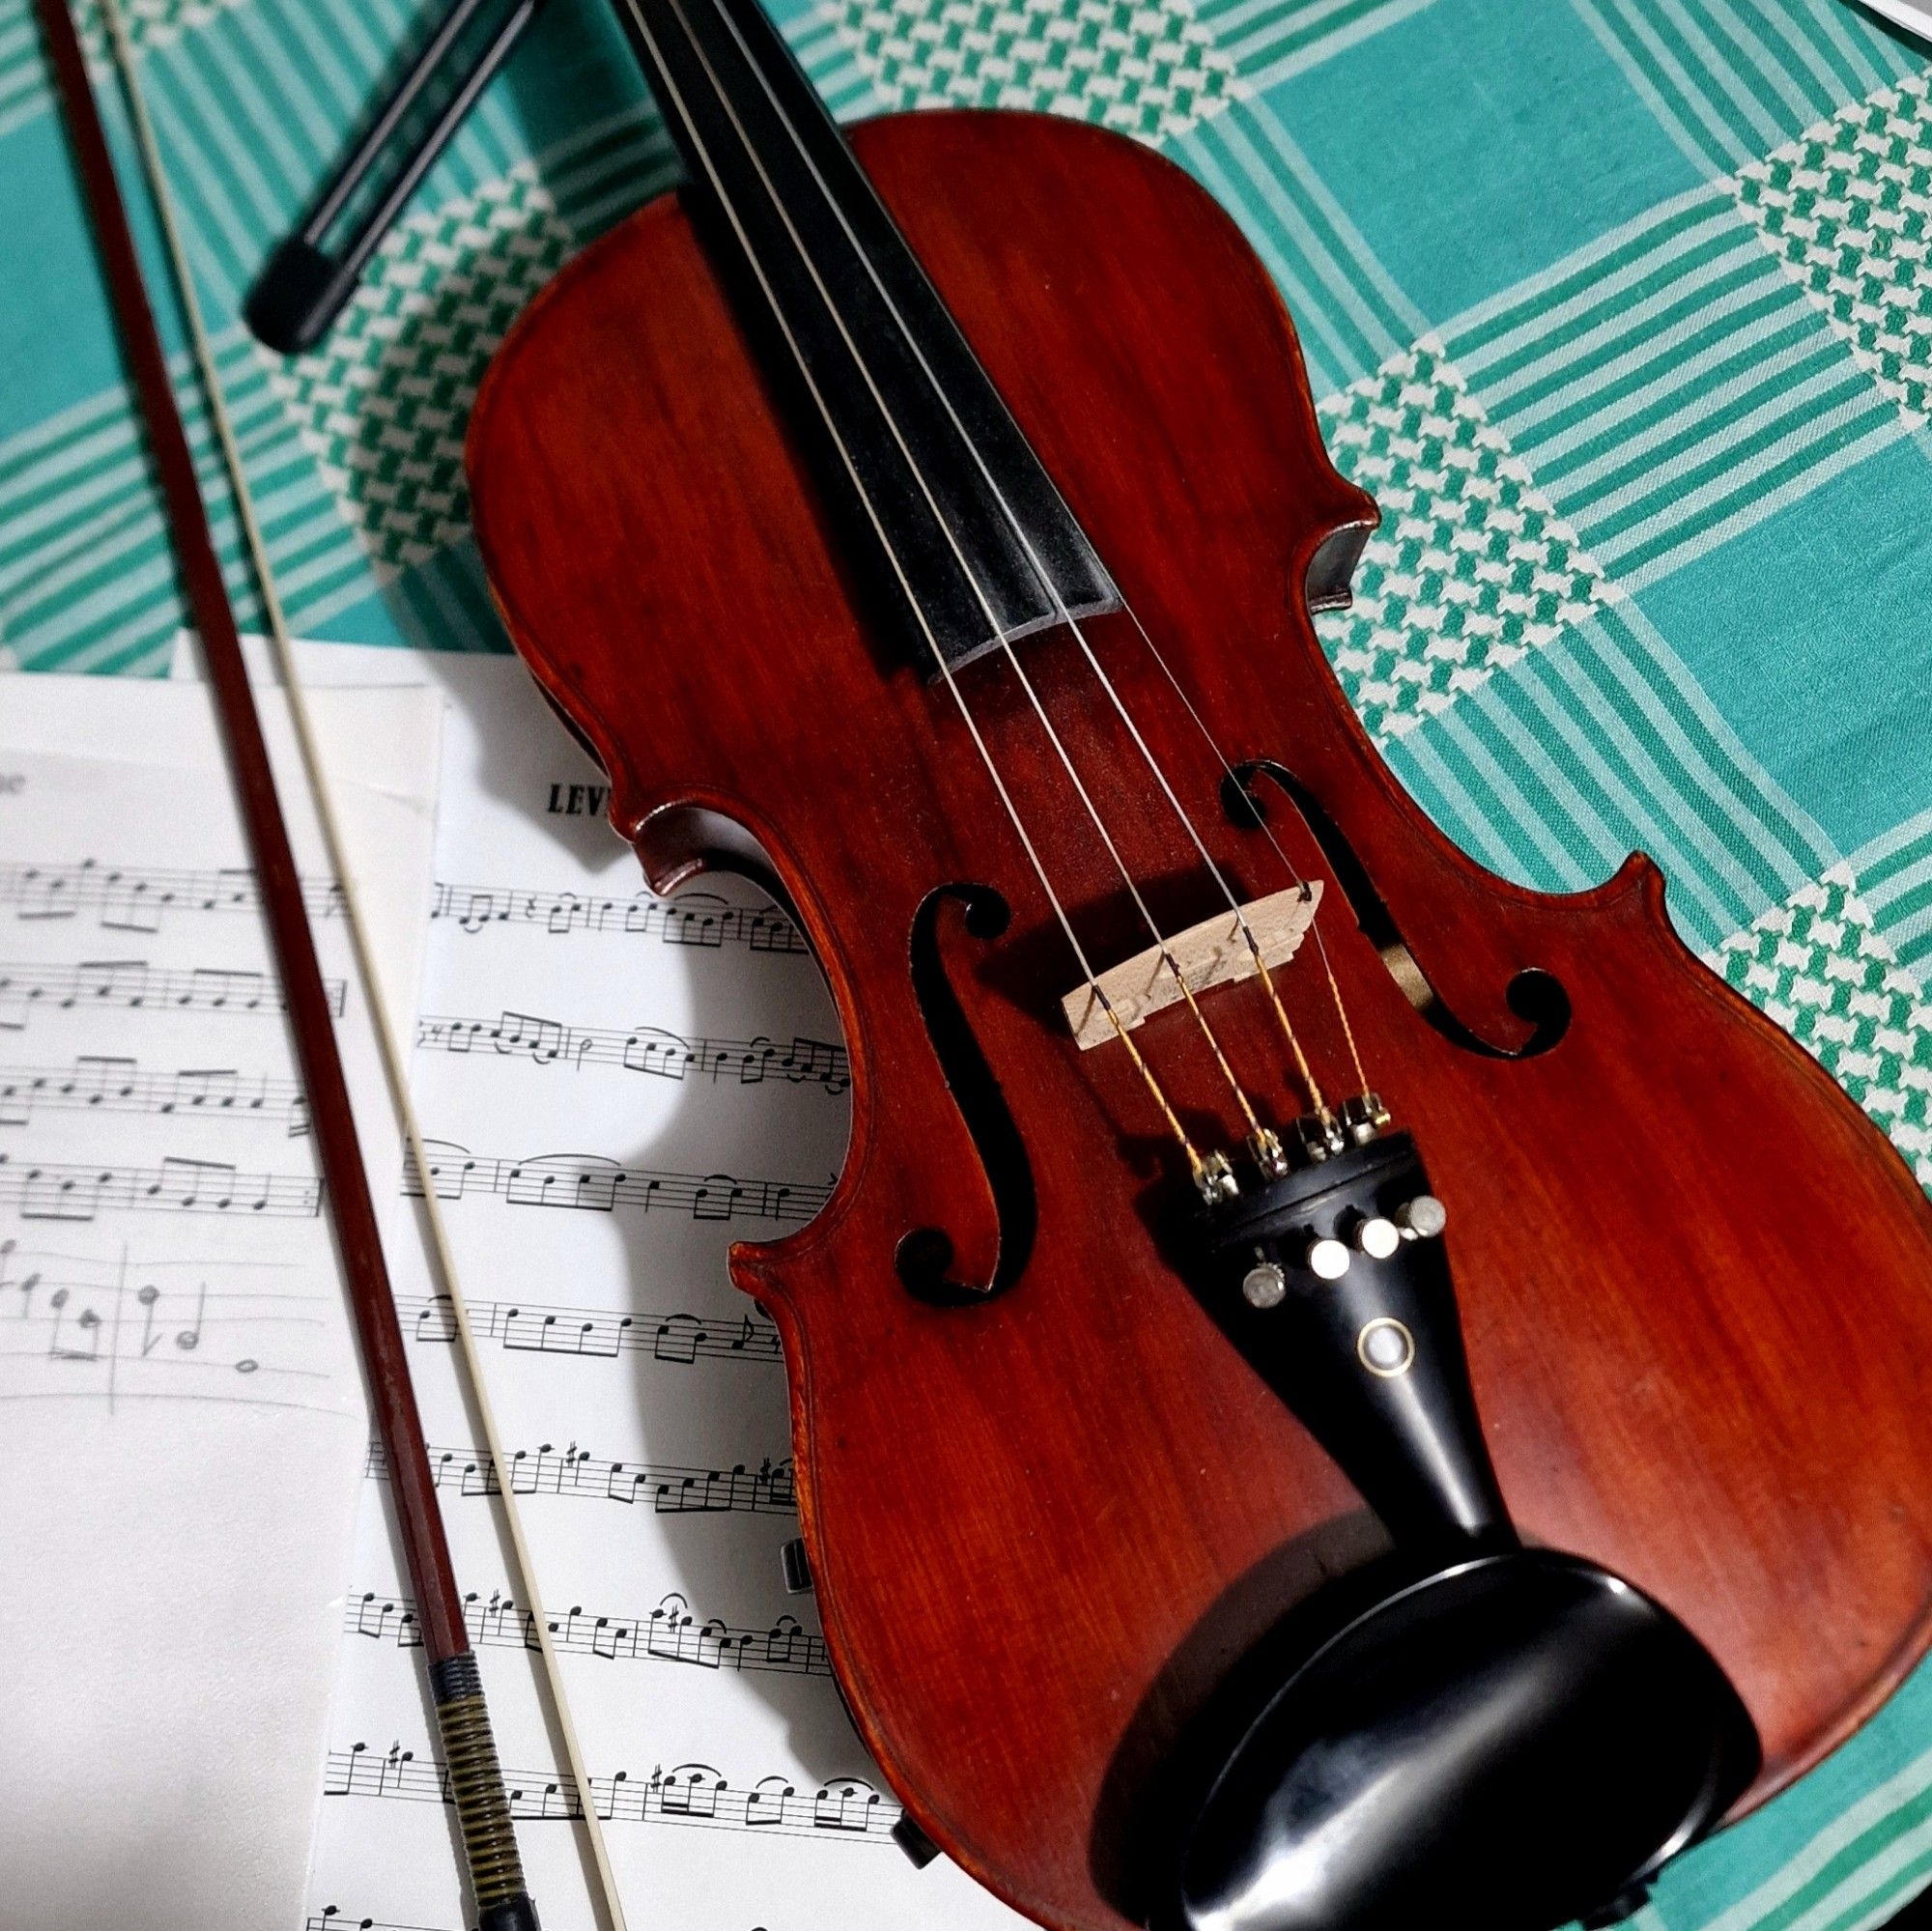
<point x="1621" y="308"/>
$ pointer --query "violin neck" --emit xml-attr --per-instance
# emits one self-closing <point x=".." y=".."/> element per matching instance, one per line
<point x="976" y="540"/>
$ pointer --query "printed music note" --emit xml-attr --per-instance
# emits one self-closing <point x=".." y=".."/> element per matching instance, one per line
<point x="543" y="1039"/>
<point x="849" y="1805"/>
<point x="790" y="1648"/>
<point x="101" y="1078"/>
<point x="38" y="895"/>
<point x="24" y="1282"/>
<point x="394" y="1769"/>
<point x="818" y="1061"/>
<point x="216" y="1089"/>
<point x="52" y="1193"/>
<point x="691" y="1789"/>
<point x="717" y="1197"/>
<point x="187" y="1183"/>
<point x="436" y="1320"/>
<point x="649" y="1050"/>
<point x="189" y="1337"/>
<point x="88" y="1350"/>
<point x="221" y="987"/>
<point x="339" y="1779"/>
<point x="767" y="930"/>
<point x="585" y="1182"/>
<point x="17" y="1099"/>
<point x="149" y="1298"/>
<point x="449" y="1170"/>
<point x="557" y="1334"/>
<point x="678" y="1338"/>
<point x="768" y="1804"/>
<point x="375" y="1619"/>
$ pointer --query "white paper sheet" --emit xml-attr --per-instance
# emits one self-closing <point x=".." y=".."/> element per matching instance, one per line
<point x="573" y="1028"/>
<point x="183" y="1432"/>
<point x="1914" y="16"/>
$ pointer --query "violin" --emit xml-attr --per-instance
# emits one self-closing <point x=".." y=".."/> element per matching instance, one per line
<point x="1329" y="1386"/>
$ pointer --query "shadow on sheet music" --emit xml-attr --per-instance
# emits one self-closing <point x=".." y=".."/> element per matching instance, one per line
<point x="648" y="1394"/>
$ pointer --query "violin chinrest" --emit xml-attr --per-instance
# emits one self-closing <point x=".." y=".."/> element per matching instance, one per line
<point x="1516" y="1742"/>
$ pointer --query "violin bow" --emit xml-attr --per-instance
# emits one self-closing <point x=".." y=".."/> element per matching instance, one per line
<point x="475" y="1779"/>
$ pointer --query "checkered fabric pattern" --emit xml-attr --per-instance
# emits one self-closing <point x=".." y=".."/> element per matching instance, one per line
<point x="1621" y="308"/>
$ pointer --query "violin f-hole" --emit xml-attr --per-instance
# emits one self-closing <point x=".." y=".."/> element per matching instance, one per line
<point x="1535" y="996"/>
<point x="924" y="1256"/>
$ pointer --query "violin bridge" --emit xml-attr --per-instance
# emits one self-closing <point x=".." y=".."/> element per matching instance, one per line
<point x="1211" y="953"/>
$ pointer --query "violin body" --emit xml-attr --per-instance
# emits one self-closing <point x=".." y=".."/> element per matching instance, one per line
<point x="1045" y="1521"/>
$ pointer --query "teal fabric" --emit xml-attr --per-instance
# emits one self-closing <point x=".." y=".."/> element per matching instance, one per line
<point x="1622" y="309"/>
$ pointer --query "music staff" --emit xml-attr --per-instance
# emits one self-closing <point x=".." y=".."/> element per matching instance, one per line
<point x="669" y="1489"/>
<point x="527" y="1327"/>
<point x="699" y="919"/>
<point x="136" y="899"/>
<point x="78" y="1325"/>
<point x="54" y="1190"/>
<point x="112" y="1083"/>
<point x="846" y="1810"/>
<point x="135" y="984"/>
<point x="670" y="1634"/>
<point x="598" y="1185"/>
<point x="644" y="1049"/>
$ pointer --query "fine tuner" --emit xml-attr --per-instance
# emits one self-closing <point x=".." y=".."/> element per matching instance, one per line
<point x="1376" y="1236"/>
<point x="1311" y="1139"/>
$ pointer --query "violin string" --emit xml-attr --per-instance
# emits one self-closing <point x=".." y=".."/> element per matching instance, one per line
<point x="978" y="593"/>
<point x="1068" y="618"/>
<point x="1267" y="832"/>
<point x="1197" y="1165"/>
<point x="1260" y="1136"/>
<point x="388" y="1045"/>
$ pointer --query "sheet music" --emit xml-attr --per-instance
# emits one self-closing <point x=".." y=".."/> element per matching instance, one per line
<point x="619" y="1088"/>
<point x="182" y="1433"/>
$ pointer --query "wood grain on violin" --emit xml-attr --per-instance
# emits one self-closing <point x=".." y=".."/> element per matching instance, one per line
<point x="1692" y="1276"/>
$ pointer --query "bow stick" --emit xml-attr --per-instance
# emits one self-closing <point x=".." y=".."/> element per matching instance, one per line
<point x="476" y="1780"/>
